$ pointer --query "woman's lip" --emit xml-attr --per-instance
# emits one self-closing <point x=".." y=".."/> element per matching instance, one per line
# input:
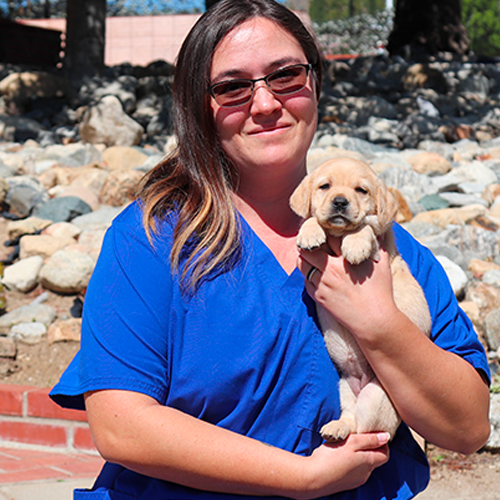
<point x="268" y="129"/>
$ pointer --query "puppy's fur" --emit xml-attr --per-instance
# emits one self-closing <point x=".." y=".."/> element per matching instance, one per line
<point x="344" y="197"/>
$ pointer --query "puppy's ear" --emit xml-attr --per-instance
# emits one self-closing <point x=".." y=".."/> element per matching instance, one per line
<point x="300" y="201"/>
<point x="387" y="206"/>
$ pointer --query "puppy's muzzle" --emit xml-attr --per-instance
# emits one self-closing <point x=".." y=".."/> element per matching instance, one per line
<point x="340" y="205"/>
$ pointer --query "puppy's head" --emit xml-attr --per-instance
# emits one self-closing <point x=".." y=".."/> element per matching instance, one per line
<point x="341" y="193"/>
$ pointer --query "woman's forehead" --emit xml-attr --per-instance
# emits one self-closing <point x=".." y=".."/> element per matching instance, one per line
<point x="257" y="44"/>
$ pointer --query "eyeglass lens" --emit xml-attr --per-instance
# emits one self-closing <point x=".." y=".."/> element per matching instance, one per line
<point x="282" y="82"/>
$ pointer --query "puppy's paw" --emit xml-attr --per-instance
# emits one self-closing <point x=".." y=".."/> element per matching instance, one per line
<point x="355" y="254"/>
<point x="360" y="246"/>
<point x="336" y="430"/>
<point x="311" y="235"/>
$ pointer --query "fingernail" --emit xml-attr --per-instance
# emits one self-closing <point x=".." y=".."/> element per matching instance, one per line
<point x="383" y="437"/>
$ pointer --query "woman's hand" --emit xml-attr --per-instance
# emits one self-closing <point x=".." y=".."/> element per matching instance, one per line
<point x="358" y="296"/>
<point x="347" y="464"/>
<point x="134" y="430"/>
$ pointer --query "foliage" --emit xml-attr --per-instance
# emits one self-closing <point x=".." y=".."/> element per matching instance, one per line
<point x="481" y="19"/>
<point x="363" y="34"/>
<point x="326" y="10"/>
<point x="35" y="9"/>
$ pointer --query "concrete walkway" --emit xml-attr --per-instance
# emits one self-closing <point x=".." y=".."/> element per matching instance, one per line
<point x="45" y="475"/>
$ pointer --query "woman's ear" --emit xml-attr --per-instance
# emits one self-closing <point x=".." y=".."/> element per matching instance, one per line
<point x="300" y="201"/>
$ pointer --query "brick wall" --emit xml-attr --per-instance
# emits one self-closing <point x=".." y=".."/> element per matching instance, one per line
<point x="29" y="418"/>
<point x="140" y="40"/>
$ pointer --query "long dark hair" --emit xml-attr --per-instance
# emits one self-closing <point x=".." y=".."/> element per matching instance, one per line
<point x="197" y="179"/>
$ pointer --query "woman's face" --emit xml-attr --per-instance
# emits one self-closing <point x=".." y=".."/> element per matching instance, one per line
<point x="270" y="134"/>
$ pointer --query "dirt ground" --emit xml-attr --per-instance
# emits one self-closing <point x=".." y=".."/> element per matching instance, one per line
<point x="453" y="476"/>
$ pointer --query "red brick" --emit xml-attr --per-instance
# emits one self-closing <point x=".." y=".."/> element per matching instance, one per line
<point x="40" y="405"/>
<point x="24" y="432"/>
<point x="82" y="439"/>
<point x="11" y="399"/>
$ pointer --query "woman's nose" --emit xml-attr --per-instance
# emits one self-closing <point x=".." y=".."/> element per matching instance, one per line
<point x="263" y="100"/>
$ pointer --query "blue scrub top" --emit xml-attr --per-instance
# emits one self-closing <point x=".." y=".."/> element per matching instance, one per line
<point x="244" y="353"/>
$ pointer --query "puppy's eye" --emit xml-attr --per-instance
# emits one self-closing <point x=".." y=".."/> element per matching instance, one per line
<point x="324" y="187"/>
<point x="361" y="190"/>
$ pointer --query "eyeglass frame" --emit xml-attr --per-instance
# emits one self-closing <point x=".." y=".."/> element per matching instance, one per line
<point x="308" y="67"/>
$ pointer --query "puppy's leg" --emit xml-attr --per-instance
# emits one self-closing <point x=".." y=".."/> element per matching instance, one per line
<point x="337" y="430"/>
<point x="311" y="235"/>
<point x="360" y="246"/>
<point x="375" y="411"/>
<point x="409" y="296"/>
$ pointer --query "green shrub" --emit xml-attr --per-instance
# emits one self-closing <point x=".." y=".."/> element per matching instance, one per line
<point x="481" y="19"/>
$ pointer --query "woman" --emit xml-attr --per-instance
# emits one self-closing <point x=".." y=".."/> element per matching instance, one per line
<point x="200" y="346"/>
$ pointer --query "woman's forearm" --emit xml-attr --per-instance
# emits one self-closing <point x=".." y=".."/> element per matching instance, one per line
<point x="436" y="392"/>
<point x="133" y="430"/>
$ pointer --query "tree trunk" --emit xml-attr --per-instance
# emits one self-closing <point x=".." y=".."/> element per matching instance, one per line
<point x="428" y="26"/>
<point x="85" y="38"/>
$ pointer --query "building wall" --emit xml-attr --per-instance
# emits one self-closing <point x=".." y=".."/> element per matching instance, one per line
<point x="136" y="40"/>
<point x="142" y="39"/>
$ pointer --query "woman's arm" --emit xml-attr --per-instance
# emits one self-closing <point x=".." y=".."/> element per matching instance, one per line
<point x="436" y="392"/>
<point x="137" y="432"/>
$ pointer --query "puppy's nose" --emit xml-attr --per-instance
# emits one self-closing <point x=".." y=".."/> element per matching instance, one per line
<point x="340" y="203"/>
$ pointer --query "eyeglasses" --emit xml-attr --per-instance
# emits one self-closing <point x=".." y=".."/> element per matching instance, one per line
<point x="285" y="81"/>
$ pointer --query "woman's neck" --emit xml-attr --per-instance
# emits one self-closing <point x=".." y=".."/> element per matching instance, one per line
<point x="274" y="222"/>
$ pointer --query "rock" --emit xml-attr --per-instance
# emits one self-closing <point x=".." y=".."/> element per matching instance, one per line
<point x="30" y="225"/>
<point x="43" y="245"/>
<point x="28" y="333"/>
<point x="107" y="123"/>
<point x="8" y="348"/>
<point x="38" y="313"/>
<point x="123" y="158"/>
<point x="85" y="194"/>
<point x="91" y="241"/>
<point x="121" y="187"/>
<point x="492" y="325"/>
<point x="62" y="230"/>
<point x="429" y="163"/>
<point x="480" y="267"/>
<point x="487" y="297"/>
<point x="73" y="155"/>
<point x="493" y="442"/>
<point x="456" y="275"/>
<point x="67" y="271"/>
<point x="99" y="219"/>
<point x="25" y="193"/>
<point x="423" y="76"/>
<point x="492" y="277"/>
<point x="23" y="275"/>
<point x="20" y="88"/>
<point x="123" y="88"/>
<point x="65" y="330"/>
<point x="62" y="209"/>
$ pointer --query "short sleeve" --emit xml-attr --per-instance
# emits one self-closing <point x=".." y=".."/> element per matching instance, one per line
<point x="126" y="317"/>
<point x="451" y="328"/>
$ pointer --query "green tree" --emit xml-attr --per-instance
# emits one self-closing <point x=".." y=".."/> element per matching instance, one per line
<point x="481" y="19"/>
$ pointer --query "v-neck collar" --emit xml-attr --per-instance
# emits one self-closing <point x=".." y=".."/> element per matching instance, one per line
<point x="257" y="250"/>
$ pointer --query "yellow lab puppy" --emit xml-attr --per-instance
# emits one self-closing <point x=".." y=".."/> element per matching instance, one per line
<point x="344" y="197"/>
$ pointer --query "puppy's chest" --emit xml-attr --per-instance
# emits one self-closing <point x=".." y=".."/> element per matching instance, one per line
<point x="343" y="349"/>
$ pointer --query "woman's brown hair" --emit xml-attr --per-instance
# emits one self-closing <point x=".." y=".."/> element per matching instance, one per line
<point x="196" y="180"/>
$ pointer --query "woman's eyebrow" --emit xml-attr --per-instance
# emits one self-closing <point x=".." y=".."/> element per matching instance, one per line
<point x="238" y="72"/>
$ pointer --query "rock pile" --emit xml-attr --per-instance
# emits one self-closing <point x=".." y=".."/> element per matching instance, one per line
<point x="430" y="130"/>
